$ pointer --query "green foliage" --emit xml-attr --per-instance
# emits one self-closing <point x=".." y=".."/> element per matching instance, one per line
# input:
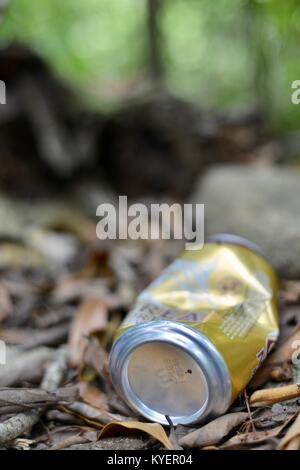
<point x="206" y="50"/>
<point x="220" y="54"/>
<point x="83" y="40"/>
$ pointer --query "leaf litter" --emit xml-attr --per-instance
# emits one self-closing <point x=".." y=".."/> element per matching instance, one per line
<point x="58" y="316"/>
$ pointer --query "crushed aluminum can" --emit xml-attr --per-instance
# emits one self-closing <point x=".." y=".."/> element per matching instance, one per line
<point x="198" y="333"/>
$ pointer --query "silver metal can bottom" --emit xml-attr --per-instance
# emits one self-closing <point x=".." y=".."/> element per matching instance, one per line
<point x="166" y="368"/>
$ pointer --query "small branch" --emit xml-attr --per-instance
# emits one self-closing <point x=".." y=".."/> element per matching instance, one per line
<point x="249" y="411"/>
<point x="25" y="367"/>
<point x="55" y="372"/>
<point x="269" y="396"/>
<point x="23" y="422"/>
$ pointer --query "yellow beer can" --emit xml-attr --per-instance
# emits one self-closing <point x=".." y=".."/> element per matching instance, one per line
<point x="198" y="333"/>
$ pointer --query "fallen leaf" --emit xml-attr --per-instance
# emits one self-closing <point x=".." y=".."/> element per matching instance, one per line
<point x="106" y="336"/>
<point x="291" y="440"/>
<point x="284" y="352"/>
<point x="94" y="362"/>
<point x="65" y="436"/>
<point x="95" y="366"/>
<point x="256" y="437"/>
<point x="278" y="357"/>
<point x="213" y="432"/>
<point x="282" y="373"/>
<point x="73" y="288"/>
<point x="173" y="436"/>
<point x="269" y="396"/>
<point x="20" y="256"/>
<point x="58" y="247"/>
<point x="25" y="366"/>
<point x="91" y="317"/>
<point x="91" y="395"/>
<point x="31" y="397"/>
<point x="91" y="415"/>
<point x="291" y="291"/>
<point x="154" y="430"/>
<point x="6" y="305"/>
<point x="250" y="438"/>
<point x="33" y="337"/>
<point x="96" y="264"/>
<point x="22" y="444"/>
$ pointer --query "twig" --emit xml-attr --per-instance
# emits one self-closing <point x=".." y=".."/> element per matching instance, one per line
<point x="23" y="422"/>
<point x="249" y="411"/>
<point x="172" y="435"/>
<point x="16" y="370"/>
<point x="269" y="396"/>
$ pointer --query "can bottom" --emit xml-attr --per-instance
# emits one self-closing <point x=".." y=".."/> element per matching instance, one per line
<point x="165" y="379"/>
<point x="164" y="368"/>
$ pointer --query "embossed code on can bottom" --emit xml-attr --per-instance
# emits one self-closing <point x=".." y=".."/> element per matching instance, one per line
<point x="160" y="373"/>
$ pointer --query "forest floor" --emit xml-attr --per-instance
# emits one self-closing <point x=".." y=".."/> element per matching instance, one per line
<point x="63" y="293"/>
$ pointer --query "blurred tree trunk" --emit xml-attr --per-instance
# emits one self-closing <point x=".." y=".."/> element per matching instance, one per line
<point x="155" y="60"/>
<point x="260" y="51"/>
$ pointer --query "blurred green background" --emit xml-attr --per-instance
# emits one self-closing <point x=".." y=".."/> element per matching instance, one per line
<point x="222" y="54"/>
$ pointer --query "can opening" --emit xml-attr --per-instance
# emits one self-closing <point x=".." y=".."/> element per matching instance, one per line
<point x="167" y="380"/>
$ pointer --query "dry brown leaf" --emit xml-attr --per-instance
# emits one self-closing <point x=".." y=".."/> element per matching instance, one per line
<point x="96" y="264"/>
<point x="256" y="437"/>
<point x="31" y="397"/>
<point x="291" y="291"/>
<point x="154" y="430"/>
<point x="22" y="444"/>
<point x="284" y="352"/>
<point x="91" y="317"/>
<point x="63" y="437"/>
<point x="95" y="365"/>
<point x="279" y="356"/>
<point x="269" y="396"/>
<point x="94" y="361"/>
<point x="25" y="366"/>
<point x="6" y="305"/>
<point x="106" y="336"/>
<point x="73" y="288"/>
<point x="91" y="415"/>
<point x="213" y="432"/>
<point x="282" y="373"/>
<point x="31" y="338"/>
<point x="291" y="440"/>
<point x="62" y="417"/>
<point x="91" y="395"/>
<point x="250" y="438"/>
<point x="19" y="256"/>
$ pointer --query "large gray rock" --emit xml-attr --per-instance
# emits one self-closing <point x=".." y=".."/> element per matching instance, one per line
<point x="261" y="204"/>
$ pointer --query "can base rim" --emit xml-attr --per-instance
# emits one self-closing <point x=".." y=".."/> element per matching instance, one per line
<point x="196" y="345"/>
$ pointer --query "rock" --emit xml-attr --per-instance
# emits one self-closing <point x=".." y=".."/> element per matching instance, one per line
<point x="261" y="204"/>
<point x="42" y="233"/>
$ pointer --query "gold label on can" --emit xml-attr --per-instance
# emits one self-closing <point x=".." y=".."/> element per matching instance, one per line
<point x="226" y="292"/>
